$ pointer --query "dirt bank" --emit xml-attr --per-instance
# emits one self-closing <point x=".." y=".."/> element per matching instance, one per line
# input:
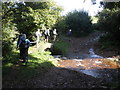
<point x="64" y="78"/>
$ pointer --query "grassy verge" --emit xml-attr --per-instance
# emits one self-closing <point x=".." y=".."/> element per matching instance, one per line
<point x="60" y="47"/>
<point x="39" y="63"/>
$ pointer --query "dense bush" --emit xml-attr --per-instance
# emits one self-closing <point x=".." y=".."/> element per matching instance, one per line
<point x="8" y="37"/>
<point x="60" y="48"/>
<point x="34" y="15"/>
<point x="61" y="25"/>
<point x="8" y="29"/>
<point x="109" y="22"/>
<point x="26" y="17"/>
<point x="79" y="22"/>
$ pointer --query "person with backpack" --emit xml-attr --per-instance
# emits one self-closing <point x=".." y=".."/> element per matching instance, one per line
<point x="23" y="47"/>
<point x="47" y="34"/>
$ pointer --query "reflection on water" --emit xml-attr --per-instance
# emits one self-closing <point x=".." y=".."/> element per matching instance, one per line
<point x="101" y="73"/>
<point x="92" y="64"/>
<point x="98" y="68"/>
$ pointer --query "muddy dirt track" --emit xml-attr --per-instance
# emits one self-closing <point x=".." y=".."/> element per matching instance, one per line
<point x="80" y="69"/>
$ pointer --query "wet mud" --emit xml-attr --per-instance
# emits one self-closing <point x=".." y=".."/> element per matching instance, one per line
<point x="98" y="68"/>
<point x="82" y="58"/>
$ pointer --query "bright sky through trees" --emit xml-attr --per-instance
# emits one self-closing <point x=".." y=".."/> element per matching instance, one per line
<point x="70" y="5"/>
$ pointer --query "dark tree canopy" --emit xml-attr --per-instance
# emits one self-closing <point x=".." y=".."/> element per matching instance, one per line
<point x="109" y="20"/>
<point x="27" y="17"/>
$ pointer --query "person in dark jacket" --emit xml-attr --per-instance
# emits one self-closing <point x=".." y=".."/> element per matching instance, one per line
<point x="47" y="34"/>
<point x="69" y="34"/>
<point x="23" y="46"/>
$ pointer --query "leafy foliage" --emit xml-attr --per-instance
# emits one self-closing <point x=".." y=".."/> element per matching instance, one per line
<point x="26" y="18"/>
<point x="109" y="22"/>
<point x="8" y="28"/>
<point x="78" y="21"/>
<point x="61" y="25"/>
<point x="34" y="15"/>
<point x="113" y="5"/>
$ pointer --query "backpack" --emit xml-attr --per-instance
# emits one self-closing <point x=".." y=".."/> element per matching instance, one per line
<point x="24" y="44"/>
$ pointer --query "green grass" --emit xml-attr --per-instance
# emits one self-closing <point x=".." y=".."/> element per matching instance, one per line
<point x="60" y="47"/>
<point x="39" y="62"/>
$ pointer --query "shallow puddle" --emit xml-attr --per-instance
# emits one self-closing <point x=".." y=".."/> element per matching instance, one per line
<point x="99" y="68"/>
<point x="92" y="64"/>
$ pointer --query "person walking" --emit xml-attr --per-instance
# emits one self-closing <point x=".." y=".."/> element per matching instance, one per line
<point x="23" y="46"/>
<point x="54" y="34"/>
<point x="69" y="34"/>
<point x="38" y="34"/>
<point x="47" y="34"/>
